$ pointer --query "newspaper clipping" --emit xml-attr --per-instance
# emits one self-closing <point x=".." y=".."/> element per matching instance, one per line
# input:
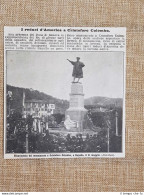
<point x="64" y="92"/>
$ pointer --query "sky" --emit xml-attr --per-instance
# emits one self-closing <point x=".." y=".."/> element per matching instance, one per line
<point x="51" y="73"/>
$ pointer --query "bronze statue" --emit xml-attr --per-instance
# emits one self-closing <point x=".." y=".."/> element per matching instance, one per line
<point x="77" y="69"/>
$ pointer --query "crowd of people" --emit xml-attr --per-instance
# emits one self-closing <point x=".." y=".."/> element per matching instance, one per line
<point x="79" y="143"/>
<point x="39" y="143"/>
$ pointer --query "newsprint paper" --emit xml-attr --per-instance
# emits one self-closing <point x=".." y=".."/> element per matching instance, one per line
<point x="64" y="92"/>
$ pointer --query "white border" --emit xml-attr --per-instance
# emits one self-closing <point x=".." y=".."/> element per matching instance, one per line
<point x="66" y="155"/>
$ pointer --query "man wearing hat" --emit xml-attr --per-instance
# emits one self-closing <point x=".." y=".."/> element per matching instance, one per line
<point x="77" y="69"/>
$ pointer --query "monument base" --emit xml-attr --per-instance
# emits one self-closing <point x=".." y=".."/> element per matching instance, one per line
<point x="77" y="114"/>
<point x="76" y="111"/>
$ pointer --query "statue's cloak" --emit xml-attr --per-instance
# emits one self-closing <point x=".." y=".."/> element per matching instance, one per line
<point x="77" y="69"/>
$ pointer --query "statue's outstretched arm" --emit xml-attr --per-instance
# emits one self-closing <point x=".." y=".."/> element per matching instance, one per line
<point x="70" y="61"/>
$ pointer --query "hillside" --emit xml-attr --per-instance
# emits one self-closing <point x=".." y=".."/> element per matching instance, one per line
<point x="104" y="101"/>
<point x="61" y="105"/>
<point x="17" y="96"/>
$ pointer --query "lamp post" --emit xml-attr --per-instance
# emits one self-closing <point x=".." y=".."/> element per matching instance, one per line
<point x="27" y="150"/>
<point x="108" y="133"/>
<point x="116" y="115"/>
<point x="108" y="139"/>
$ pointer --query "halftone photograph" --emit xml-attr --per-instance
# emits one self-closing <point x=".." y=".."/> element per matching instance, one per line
<point x="64" y="102"/>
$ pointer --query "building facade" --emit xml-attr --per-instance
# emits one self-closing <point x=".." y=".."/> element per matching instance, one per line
<point x="37" y="108"/>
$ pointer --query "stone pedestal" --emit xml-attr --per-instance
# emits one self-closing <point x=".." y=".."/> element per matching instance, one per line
<point x="76" y="109"/>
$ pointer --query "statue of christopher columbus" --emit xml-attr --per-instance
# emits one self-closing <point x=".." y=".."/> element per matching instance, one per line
<point x="77" y="69"/>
